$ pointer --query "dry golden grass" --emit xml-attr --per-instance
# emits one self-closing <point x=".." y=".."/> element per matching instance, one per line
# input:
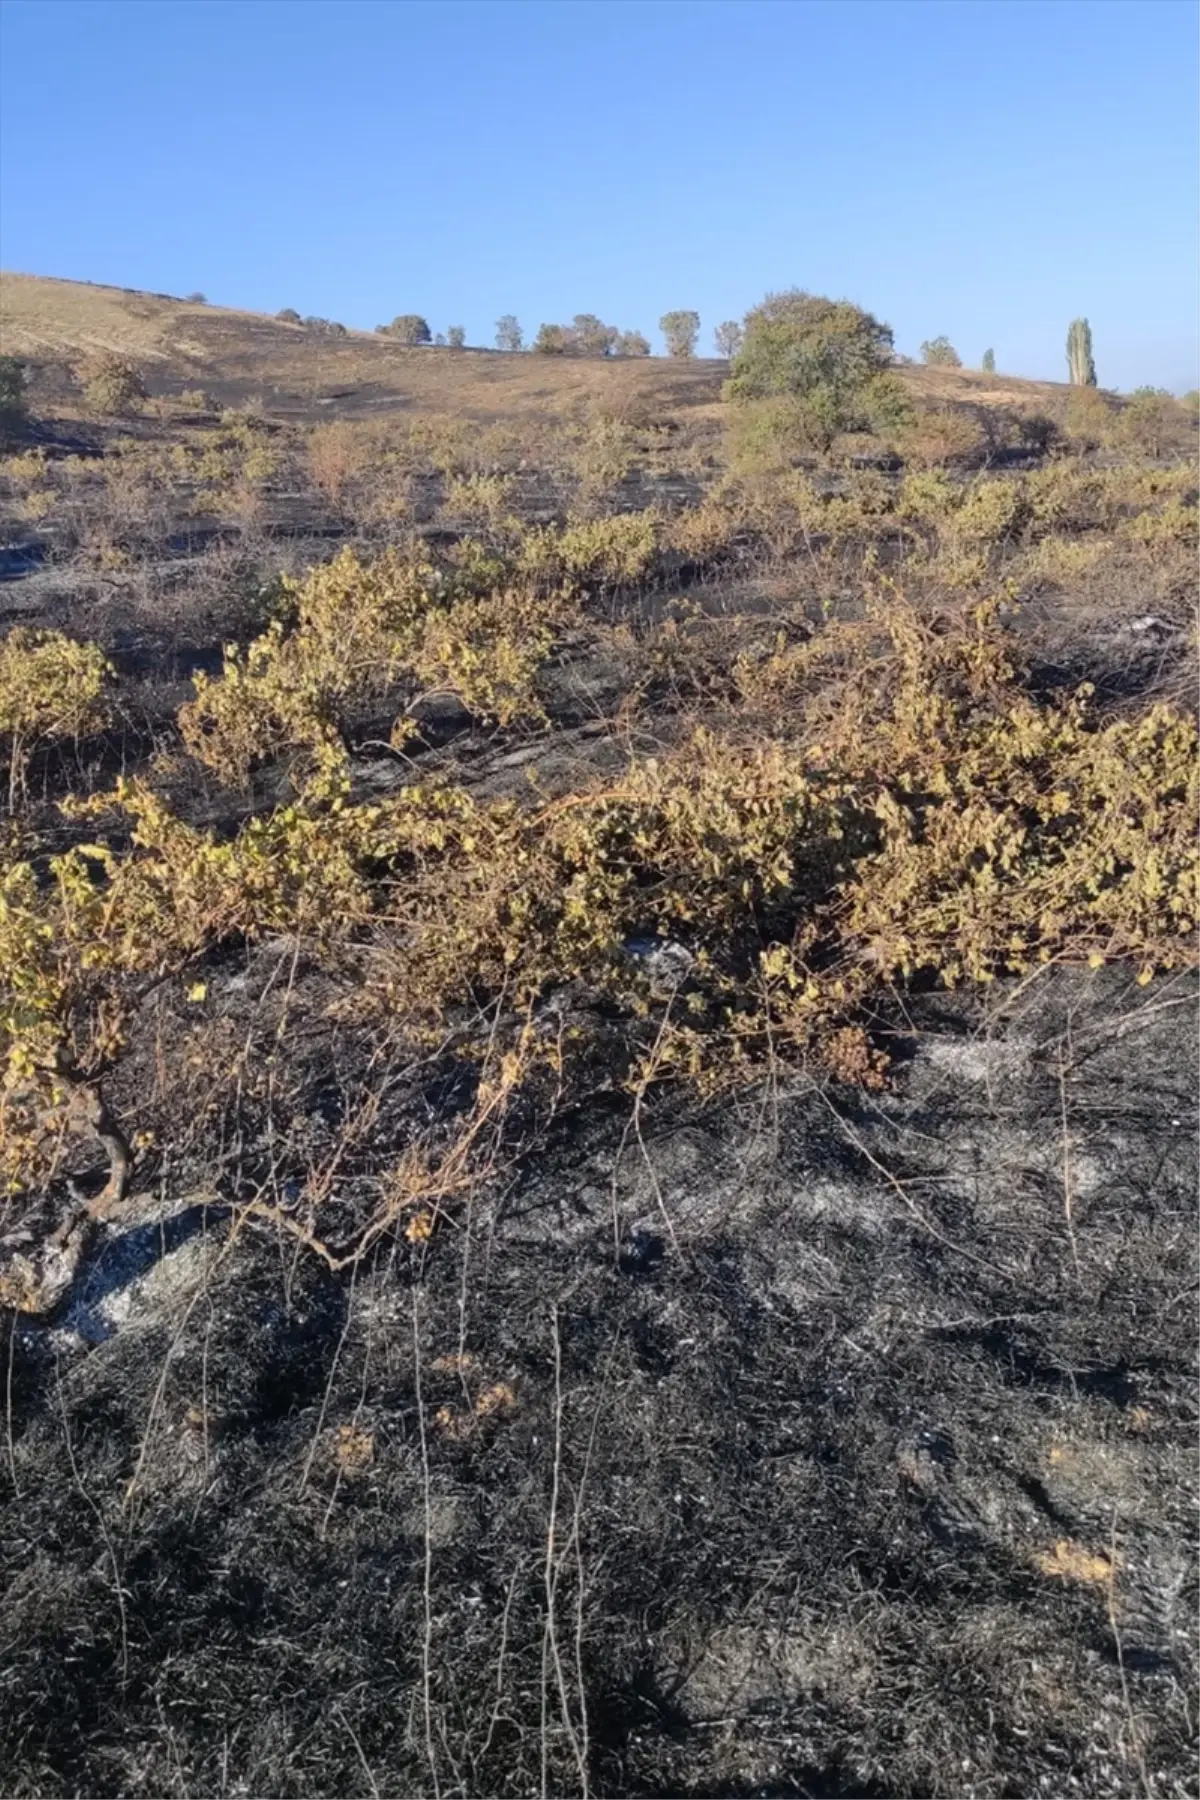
<point x="204" y="345"/>
<point x="187" y="344"/>
<point x="936" y="387"/>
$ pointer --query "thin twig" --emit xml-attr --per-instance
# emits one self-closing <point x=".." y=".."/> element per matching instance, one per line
<point x="104" y="1533"/>
<point x="1068" y="1196"/>
<point x="550" y="1639"/>
<point x="427" y="1576"/>
<point x="8" y="1406"/>
<point x="980" y="1262"/>
<point x="366" y="1767"/>
<point x="1134" y="1733"/>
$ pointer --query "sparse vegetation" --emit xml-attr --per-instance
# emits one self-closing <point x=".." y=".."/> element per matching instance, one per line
<point x="509" y="335"/>
<point x="951" y="823"/>
<point x="456" y="336"/>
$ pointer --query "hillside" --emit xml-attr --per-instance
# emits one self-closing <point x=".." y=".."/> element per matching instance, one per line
<point x="288" y="370"/>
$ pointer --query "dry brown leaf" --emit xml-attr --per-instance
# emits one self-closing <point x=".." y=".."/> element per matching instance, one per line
<point x="354" y="1450"/>
<point x="1071" y="1562"/>
<point x="500" y="1397"/>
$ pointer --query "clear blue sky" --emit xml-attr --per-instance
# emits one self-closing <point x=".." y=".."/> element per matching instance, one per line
<point x="987" y="170"/>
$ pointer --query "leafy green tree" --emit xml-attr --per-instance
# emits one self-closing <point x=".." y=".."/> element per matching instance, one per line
<point x="940" y="353"/>
<point x="551" y="340"/>
<point x="728" y="338"/>
<point x="829" y="359"/>
<point x="1080" y="362"/>
<point x="409" y="328"/>
<point x="796" y="343"/>
<point x="590" y="336"/>
<point x="509" y="335"/>
<point x="456" y="337"/>
<point x="680" y="329"/>
<point x="14" y="408"/>
<point x="631" y="343"/>
<point x="988" y="365"/>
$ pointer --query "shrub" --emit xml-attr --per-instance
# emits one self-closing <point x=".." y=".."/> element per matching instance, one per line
<point x="1037" y="432"/>
<point x="940" y="353"/>
<point x="1089" y="420"/>
<point x="680" y="330"/>
<point x="509" y="335"/>
<point x="728" y="338"/>
<point x="14" y="411"/>
<point x="598" y="552"/>
<point x="1146" y="418"/>
<point x="480" y="500"/>
<point x="324" y="327"/>
<point x="287" y="315"/>
<point x="604" y="453"/>
<point x="885" y="799"/>
<point x="337" y="453"/>
<point x="51" y="688"/>
<point x="631" y="343"/>
<point x="359" y="631"/>
<point x="113" y="385"/>
<point x="772" y="433"/>
<point x="408" y="328"/>
<point x="551" y="340"/>
<point x="938" y="435"/>
<point x="904" y="808"/>
<point x="1080" y="365"/>
<point x="988" y="365"/>
<point x="456" y="336"/>
<point x="196" y="299"/>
